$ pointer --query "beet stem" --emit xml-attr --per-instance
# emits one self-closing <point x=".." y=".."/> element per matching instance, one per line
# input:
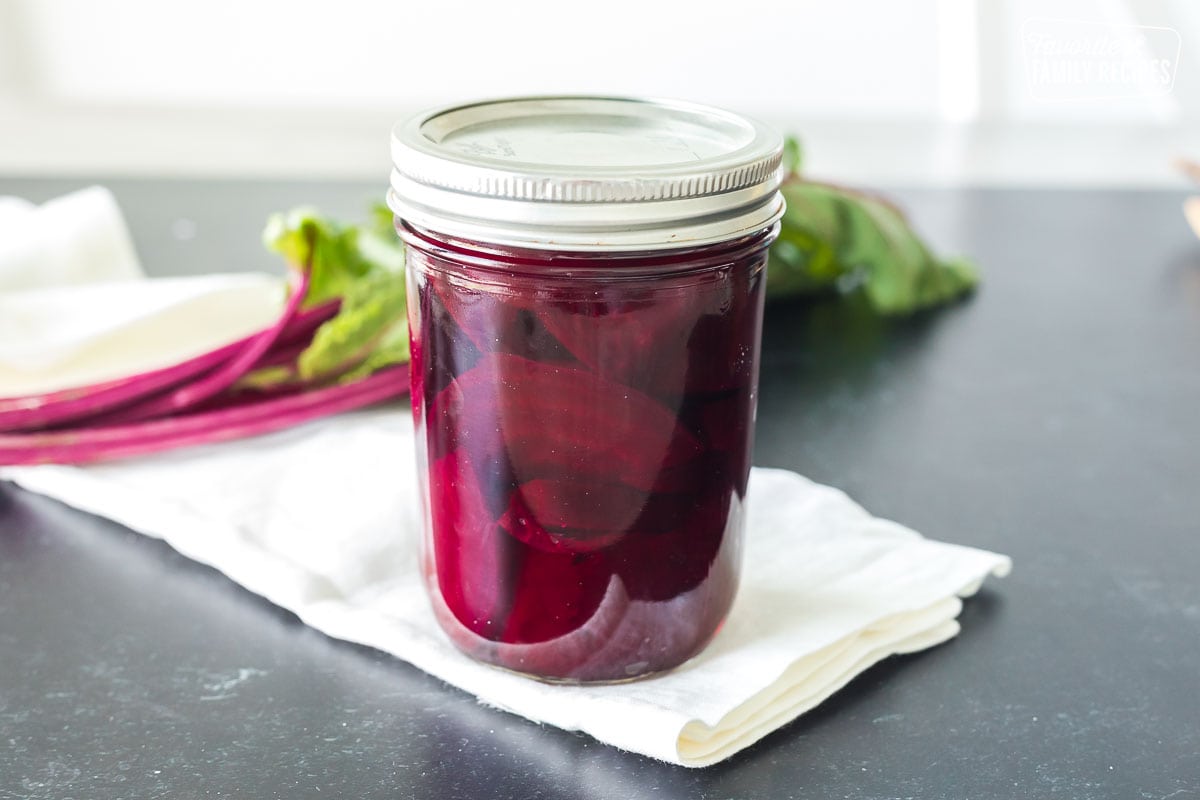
<point x="65" y="405"/>
<point x="85" y="445"/>
<point x="225" y="375"/>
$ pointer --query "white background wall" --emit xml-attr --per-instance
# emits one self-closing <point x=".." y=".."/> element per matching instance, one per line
<point x="920" y="91"/>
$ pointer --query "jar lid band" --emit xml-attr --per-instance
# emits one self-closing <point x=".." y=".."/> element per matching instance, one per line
<point x="586" y="173"/>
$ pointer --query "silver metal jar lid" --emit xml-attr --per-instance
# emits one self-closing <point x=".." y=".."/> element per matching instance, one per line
<point x="586" y="173"/>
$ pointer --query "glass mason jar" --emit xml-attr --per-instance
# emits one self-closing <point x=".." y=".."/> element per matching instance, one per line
<point x="585" y="303"/>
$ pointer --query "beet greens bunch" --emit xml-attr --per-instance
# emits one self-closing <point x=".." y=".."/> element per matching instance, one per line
<point x="339" y="343"/>
<point x="341" y="340"/>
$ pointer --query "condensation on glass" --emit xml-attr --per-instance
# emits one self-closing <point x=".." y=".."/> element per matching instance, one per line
<point x="586" y="287"/>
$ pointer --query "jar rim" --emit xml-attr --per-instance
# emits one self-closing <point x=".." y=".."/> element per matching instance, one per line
<point x="509" y="261"/>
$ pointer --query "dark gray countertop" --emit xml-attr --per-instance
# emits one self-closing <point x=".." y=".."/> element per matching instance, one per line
<point x="1054" y="417"/>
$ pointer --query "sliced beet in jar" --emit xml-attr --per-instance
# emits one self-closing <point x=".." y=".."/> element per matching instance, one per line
<point x="586" y="286"/>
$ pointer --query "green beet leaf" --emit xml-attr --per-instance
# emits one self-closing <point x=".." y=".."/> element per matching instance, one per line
<point x="365" y="328"/>
<point x="362" y="267"/>
<point x="837" y="239"/>
<point x="832" y="240"/>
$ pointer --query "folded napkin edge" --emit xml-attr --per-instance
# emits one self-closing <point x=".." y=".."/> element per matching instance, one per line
<point x="692" y="752"/>
<point x="880" y="633"/>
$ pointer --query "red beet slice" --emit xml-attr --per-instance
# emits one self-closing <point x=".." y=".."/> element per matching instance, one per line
<point x="557" y="421"/>
<point x="572" y="516"/>
<point x="479" y="315"/>
<point x="640" y="343"/>
<point x="696" y="334"/>
<point x="555" y="593"/>
<point x="722" y="420"/>
<point x="568" y="656"/>
<point x="445" y="351"/>
<point x="476" y="561"/>
<point x="725" y="426"/>
<point x="725" y="340"/>
<point x="496" y="321"/>
<point x="660" y="566"/>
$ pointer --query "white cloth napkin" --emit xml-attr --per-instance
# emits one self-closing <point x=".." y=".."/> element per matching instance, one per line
<point x="76" y="308"/>
<point x="322" y="520"/>
<point x="77" y="238"/>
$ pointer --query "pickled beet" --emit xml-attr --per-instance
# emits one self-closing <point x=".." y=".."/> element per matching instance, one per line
<point x="497" y="325"/>
<point x="559" y="421"/>
<point x="586" y="422"/>
<point x="572" y="515"/>
<point x="476" y="561"/>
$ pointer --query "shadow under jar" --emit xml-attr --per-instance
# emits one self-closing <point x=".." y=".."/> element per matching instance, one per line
<point x="585" y="304"/>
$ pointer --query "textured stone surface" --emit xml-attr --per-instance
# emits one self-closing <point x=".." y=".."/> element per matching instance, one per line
<point x="1054" y="417"/>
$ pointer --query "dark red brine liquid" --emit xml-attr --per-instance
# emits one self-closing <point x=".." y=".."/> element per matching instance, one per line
<point x="584" y="425"/>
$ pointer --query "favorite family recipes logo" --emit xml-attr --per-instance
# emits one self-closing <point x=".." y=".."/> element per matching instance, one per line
<point x="1080" y="60"/>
